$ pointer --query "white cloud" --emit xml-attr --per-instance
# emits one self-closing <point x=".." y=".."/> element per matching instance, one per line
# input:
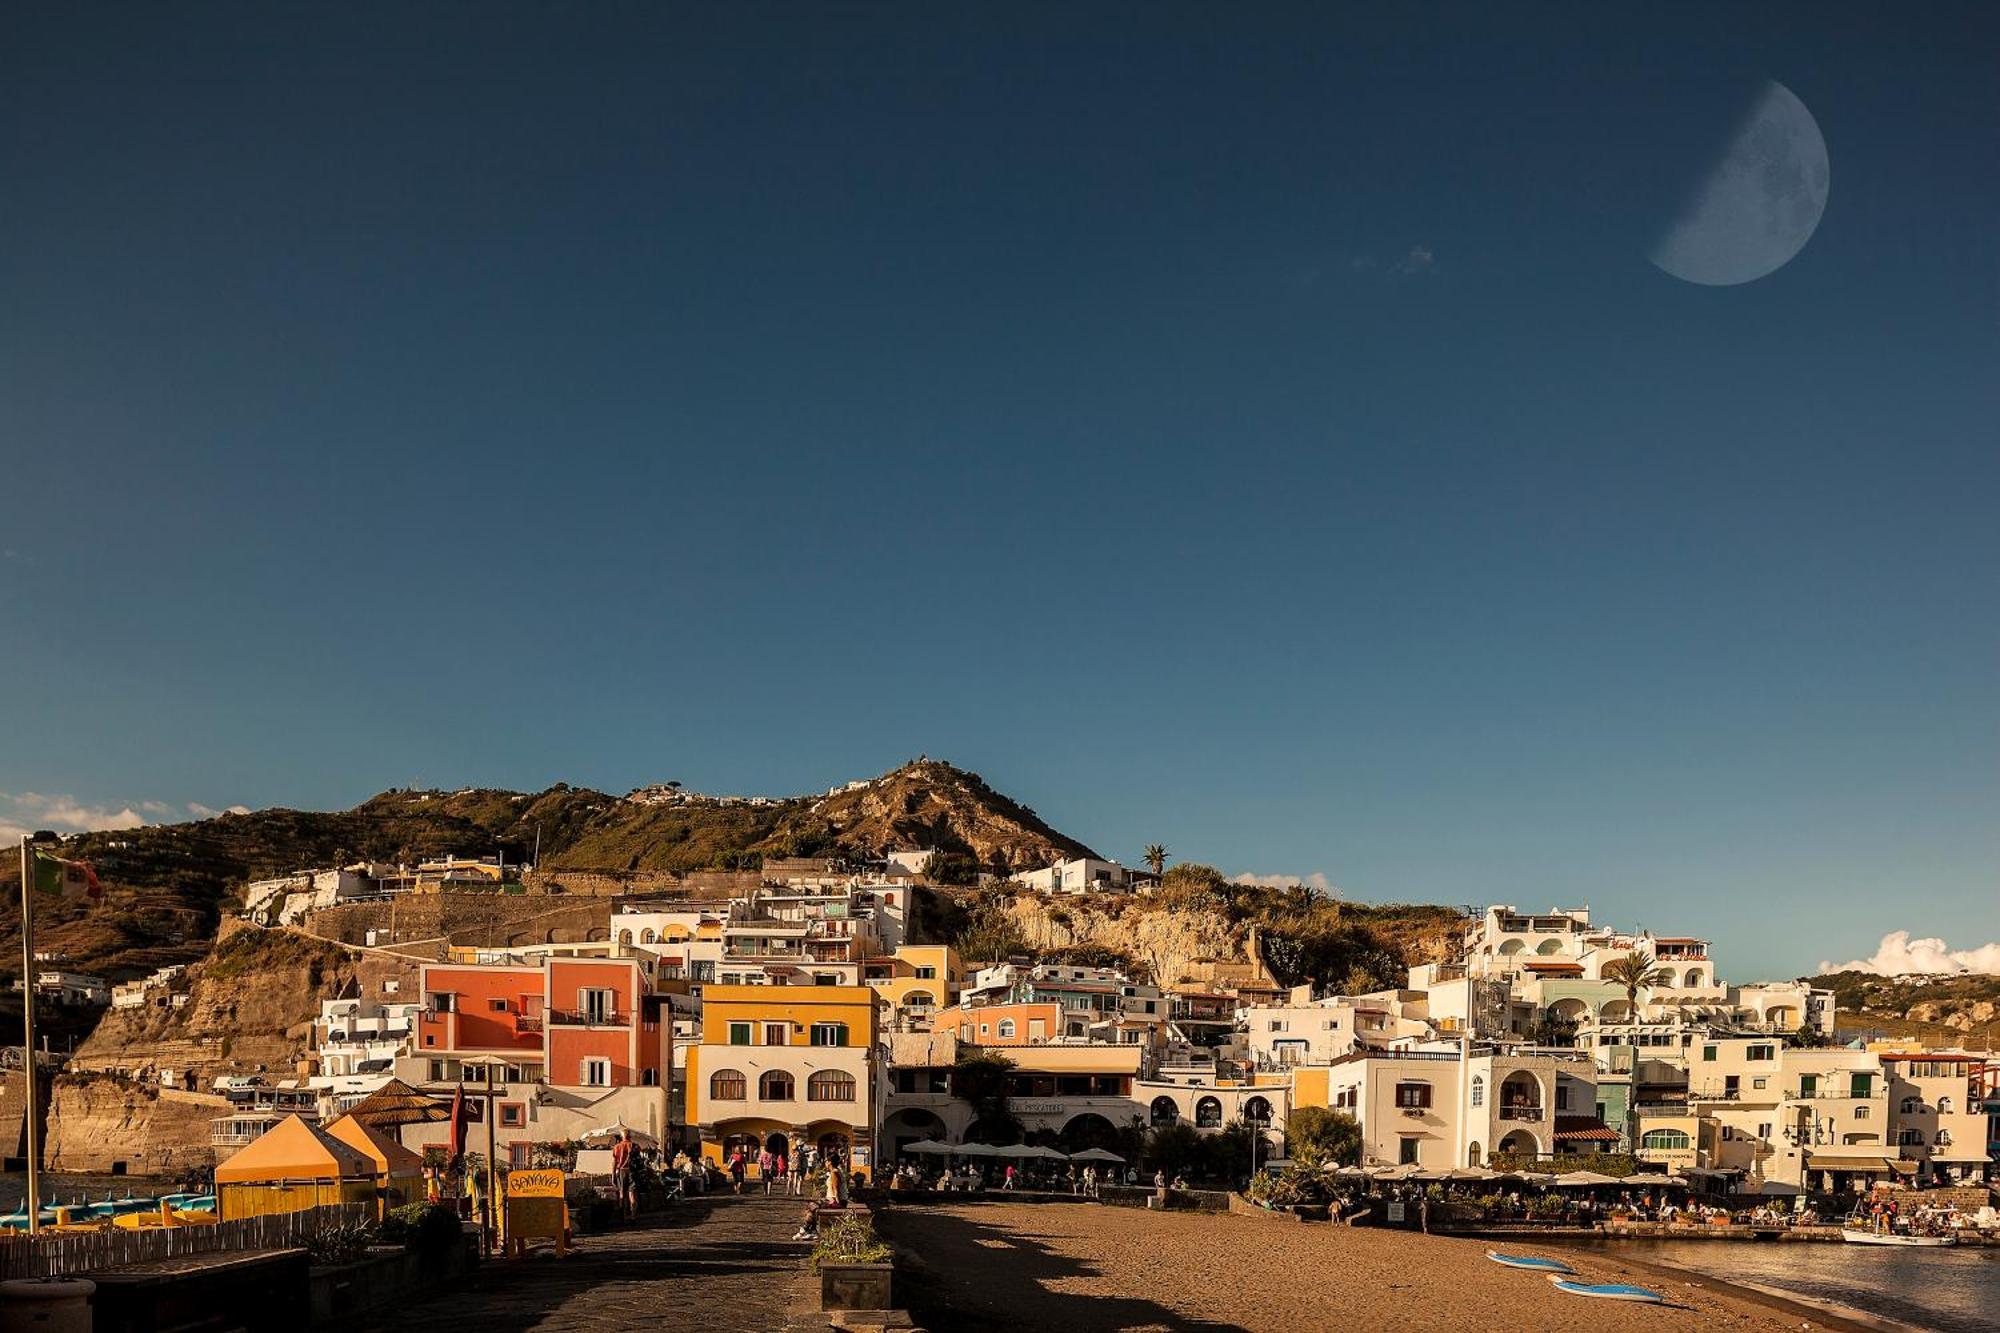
<point x="1317" y="882"/>
<point x="1419" y="260"/>
<point x="1899" y="955"/>
<point x="30" y="811"/>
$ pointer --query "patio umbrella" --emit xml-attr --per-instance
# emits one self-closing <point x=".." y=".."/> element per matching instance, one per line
<point x="1584" y="1180"/>
<point x="1350" y="1173"/>
<point x="980" y="1150"/>
<point x="1394" y="1173"/>
<point x="1654" y="1179"/>
<point x="396" y="1103"/>
<point x="1044" y="1154"/>
<point x="610" y="1134"/>
<point x="1467" y="1173"/>
<point x="1096" y="1155"/>
<point x="929" y="1148"/>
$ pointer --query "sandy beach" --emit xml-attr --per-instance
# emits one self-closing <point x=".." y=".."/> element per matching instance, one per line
<point x="1074" y="1269"/>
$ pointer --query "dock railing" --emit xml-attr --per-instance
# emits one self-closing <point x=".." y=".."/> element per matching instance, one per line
<point x="60" y="1253"/>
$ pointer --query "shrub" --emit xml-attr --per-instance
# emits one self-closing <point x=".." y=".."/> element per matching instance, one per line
<point x="849" y="1240"/>
<point x="426" y="1228"/>
<point x="339" y="1243"/>
<point x="1290" y="1188"/>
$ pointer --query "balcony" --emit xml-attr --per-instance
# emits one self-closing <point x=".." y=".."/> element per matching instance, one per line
<point x="602" y="1018"/>
<point x="527" y="1022"/>
<point x="1529" y="1114"/>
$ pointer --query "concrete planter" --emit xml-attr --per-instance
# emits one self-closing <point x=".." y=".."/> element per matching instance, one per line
<point x="854" y="1286"/>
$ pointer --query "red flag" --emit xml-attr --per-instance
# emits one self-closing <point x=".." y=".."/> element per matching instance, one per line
<point x="458" y="1121"/>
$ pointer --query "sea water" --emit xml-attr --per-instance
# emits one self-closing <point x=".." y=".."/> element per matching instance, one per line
<point x="1951" y="1290"/>
<point x="64" y="1187"/>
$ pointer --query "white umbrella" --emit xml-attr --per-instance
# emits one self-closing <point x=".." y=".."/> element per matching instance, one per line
<point x="1394" y="1173"/>
<point x="1096" y="1155"/>
<point x="1467" y="1173"/>
<point x="610" y="1133"/>
<point x="1585" y="1180"/>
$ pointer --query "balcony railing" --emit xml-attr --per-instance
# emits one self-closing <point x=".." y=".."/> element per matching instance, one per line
<point x="589" y="1018"/>
<point x="1531" y="1114"/>
<point x="527" y="1022"/>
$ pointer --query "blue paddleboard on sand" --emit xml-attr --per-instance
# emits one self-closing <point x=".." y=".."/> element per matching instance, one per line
<point x="1612" y="1291"/>
<point x="1532" y="1262"/>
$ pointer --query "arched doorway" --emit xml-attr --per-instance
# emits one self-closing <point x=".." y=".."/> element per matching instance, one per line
<point x="1165" y="1110"/>
<point x="1088" y="1130"/>
<point x="1522" y="1143"/>
<point x="1521" y="1097"/>
<point x="911" y="1125"/>
<point x="1472" y="1153"/>
<point x="1208" y="1113"/>
<point x="1257" y="1110"/>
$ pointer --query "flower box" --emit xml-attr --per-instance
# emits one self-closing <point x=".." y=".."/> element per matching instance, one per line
<point x="854" y="1286"/>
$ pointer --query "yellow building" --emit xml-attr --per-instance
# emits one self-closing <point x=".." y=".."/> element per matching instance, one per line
<point x="779" y="1066"/>
<point x="915" y="982"/>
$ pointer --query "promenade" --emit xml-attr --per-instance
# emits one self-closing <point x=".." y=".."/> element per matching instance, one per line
<point x="721" y="1264"/>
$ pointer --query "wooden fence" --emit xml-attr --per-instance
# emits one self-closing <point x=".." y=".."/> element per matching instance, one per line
<point x="54" y="1253"/>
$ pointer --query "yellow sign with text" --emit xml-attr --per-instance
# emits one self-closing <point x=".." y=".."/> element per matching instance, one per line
<point x="537" y="1184"/>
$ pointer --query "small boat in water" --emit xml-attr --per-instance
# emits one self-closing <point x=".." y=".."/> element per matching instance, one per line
<point x="1864" y="1236"/>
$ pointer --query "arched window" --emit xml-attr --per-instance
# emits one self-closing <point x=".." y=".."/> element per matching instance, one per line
<point x="1694" y="976"/>
<point x="775" y="1086"/>
<point x="1208" y="1113"/>
<point x="919" y="999"/>
<point x="1944" y="1138"/>
<point x="830" y="1085"/>
<point x="1909" y="1106"/>
<point x="1257" y="1111"/>
<point x="1165" y="1111"/>
<point x="1944" y="1106"/>
<point x="1549" y="948"/>
<point x="647" y="936"/>
<point x="624" y="937"/>
<point x="1512" y="947"/>
<point x="1006" y="1027"/>
<point x="1664" y="1138"/>
<point x="726" y="1085"/>
<point x="1479" y="1090"/>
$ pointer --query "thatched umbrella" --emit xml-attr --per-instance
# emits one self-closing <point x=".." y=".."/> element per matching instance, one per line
<point x="396" y="1103"/>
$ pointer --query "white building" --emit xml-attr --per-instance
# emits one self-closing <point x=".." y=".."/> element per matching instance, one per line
<point x="357" y="1042"/>
<point x="1084" y="874"/>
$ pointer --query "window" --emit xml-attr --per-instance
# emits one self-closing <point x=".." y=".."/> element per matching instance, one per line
<point x="1944" y="1106"/>
<point x="726" y="1085"/>
<point x="497" y="1006"/>
<point x="1478" y="1090"/>
<point x="1764" y="1130"/>
<point x="830" y="1085"/>
<point x="1164" y="1112"/>
<point x="1761" y="1051"/>
<point x="1208" y="1113"/>
<point x="1909" y="1138"/>
<point x="926" y="974"/>
<point x="1808" y="1085"/>
<point x="1760" y="1082"/>
<point x="1006" y="1027"/>
<point x="595" y="1072"/>
<point x="829" y="1034"/>
<point x="513" y="1115"/>
<point x="1943" y="1138"/>
<point x="739" y="1034"/>
<point x="775" y="1086"/>
<point x="520" y="1154"/>
<point x="595" y="1004"/>
<point x="1860" y="1113"/>
<point x="624" y="937"/>
<point x="1864" y="1085"/>
<point x="1708" y="1052"/>
<point x="1413" y="1095"/>
<point x="1666" y="1139"/>
<point x="1562" y="1097"/>
<point x="440" y="1001"/>
<point x="437" y="1071"/>
<point x="1909" y="1106"/>
<point x="1406" y="1154"/>
<point x="777" y="1034"/>
<point x="647" y="936"/>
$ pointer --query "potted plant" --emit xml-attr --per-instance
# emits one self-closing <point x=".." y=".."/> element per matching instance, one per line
<point x="853" y="1265"/>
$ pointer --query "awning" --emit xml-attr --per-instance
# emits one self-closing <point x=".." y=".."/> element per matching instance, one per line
<point x="1857" y="1162"/>
<point x="1586" y="1127"/>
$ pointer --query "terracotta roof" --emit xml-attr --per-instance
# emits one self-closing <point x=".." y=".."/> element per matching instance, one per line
<point x="1584" y="1127"/>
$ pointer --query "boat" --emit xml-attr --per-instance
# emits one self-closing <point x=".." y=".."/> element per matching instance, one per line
<point x="1862" y="1236"/>
<point x="1534" y="1263"/>
<point x="1609" y="1291"/>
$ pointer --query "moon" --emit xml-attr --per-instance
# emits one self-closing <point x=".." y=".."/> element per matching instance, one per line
<point x="1759" y="204"/>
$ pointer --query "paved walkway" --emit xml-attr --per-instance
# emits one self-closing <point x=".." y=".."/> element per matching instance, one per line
<point x="718" y="1263"/>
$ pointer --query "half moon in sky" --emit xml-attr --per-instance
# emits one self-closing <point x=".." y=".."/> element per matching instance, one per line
<point x="1760" y="202"/>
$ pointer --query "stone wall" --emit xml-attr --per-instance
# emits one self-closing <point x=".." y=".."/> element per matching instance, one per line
<point x="465" y="919"/>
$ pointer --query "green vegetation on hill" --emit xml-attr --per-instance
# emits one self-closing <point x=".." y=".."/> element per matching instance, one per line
<point x="1947" y="1010"/>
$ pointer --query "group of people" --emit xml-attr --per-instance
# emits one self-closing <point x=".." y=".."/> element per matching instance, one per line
<point x="1042" y="1176"/>
<point x="783" y="1170"/>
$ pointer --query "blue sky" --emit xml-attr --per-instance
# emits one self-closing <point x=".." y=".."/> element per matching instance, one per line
<point x="1258" y="433"/>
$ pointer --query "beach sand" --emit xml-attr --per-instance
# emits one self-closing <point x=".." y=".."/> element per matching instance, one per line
<point x="1059" y="1268"/>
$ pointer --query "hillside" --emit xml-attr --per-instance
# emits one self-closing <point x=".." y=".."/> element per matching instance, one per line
<point x="168" y="886"/>
<point x="1948" y="1010"/>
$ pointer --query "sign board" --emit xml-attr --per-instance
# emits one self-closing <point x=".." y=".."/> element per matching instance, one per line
<point x="1395" y="1212"/>
<point x="535" y="1184"/>
<point x="535" y="1209"/>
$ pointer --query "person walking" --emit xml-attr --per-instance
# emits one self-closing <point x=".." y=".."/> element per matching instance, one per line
<point x="798" y="1165"/>
<point x="781" y="1171"/>
<point x="1008" y="1183"/>
<point x="764" y="1169"/>
<point x="736" y="1170"/>
<point x="621" y="1175"/>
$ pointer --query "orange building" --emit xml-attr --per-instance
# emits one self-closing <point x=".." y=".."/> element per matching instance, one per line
<point x="1027" y="1024"/>
<point x="571" y="1022"/>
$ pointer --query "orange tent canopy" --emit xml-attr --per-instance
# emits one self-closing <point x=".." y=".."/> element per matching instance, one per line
<point x="390" y="1157"/>
<point x="295" y="1150"/>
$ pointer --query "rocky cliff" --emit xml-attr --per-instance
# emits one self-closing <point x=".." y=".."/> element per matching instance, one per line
<point x="104" y="1123"/>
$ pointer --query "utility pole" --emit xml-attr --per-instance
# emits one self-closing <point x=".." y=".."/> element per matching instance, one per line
<point x="33" y="1121"/>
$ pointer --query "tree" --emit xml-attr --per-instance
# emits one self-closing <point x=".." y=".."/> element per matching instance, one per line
<point x="1809" y="1037"/>
<point x="1554" y="1029"/>
<point x="1635" y="972"/>
<point x="980" y="1079"/>
<point x="1156" y="858"/>
<point x="1321" y="1136"/>
<point x="954" y="868"/>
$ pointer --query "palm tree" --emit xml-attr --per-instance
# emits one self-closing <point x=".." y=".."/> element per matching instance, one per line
<point x="1635" y="972"/>
<point x="1156" y="857"/>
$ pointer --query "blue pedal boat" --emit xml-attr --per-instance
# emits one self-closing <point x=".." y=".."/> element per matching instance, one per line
<point x="1534" y="1263"/>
